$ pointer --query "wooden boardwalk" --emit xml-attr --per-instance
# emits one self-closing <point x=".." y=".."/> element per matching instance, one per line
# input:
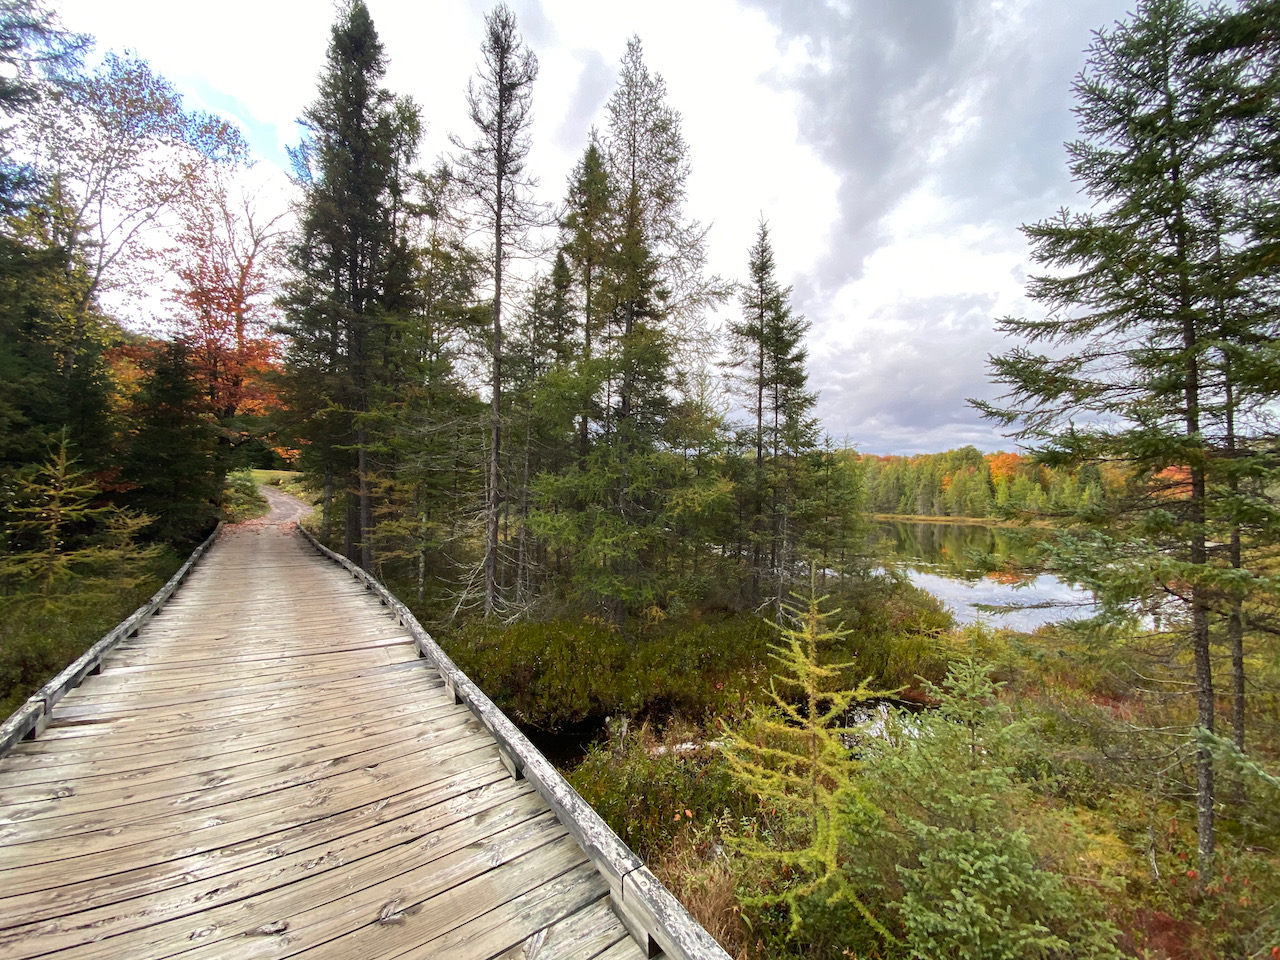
<point x="269" y="770"/>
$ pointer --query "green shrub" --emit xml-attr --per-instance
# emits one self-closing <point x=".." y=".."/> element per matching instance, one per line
<point x="553" y="674"/>
<point x="978" y="857"/>
<point x="650" y="792"/>
<point x="241" y="499"/>
<point x="41" y="634"/>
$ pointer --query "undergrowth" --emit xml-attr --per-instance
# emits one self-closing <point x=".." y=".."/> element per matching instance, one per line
<point x="41" y="634"/>
<point x="694" y="667"/>
<point x="241" y="499"/>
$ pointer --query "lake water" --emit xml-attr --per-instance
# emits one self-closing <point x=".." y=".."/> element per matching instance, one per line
<point x="952" y="561"/>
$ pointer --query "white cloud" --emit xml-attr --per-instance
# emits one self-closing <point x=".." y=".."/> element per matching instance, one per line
<point x="893" y="152"/>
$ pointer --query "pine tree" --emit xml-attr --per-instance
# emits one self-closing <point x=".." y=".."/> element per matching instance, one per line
<point x="1249" y="40"/>
<point x="637" y="269"/>
<point x="588" y="229"/>
<point x="974" y="884"/>
<point x="1136" y="305"/>
<point x="767" y="362"/>
<point x="493" y="167"/>
<point x="648" y="164"/>
<point x="61" y="528"/>
<point x="342" y="306"/>
<point x="171" y="463"/>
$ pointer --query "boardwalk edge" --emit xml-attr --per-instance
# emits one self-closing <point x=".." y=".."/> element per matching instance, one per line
<point x="32" y="717"/>
<point x="654" y="917"/>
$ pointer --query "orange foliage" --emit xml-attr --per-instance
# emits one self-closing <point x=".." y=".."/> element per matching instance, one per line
<point x="1004" y="466"/>
<point x="225" y="260"/>
<point x="1174" y="482"/>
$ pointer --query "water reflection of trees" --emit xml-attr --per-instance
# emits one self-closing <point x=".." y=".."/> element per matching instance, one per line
<point x="965" y="551"/>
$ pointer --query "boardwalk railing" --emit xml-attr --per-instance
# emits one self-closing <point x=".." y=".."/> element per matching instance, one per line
<point x="657" y="920"/>
<point x="33" y="716"/>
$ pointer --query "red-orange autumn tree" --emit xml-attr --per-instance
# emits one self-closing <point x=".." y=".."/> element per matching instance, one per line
<point x="225" y="258"/>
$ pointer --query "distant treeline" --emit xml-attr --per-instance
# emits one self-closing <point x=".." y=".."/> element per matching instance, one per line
<point x="969" y="483"/>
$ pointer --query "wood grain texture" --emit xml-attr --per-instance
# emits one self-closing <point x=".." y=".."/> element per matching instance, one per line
<point x="268" y="769"/>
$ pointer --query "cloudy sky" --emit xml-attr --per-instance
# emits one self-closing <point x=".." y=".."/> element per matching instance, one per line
<point x="894" y="146"/>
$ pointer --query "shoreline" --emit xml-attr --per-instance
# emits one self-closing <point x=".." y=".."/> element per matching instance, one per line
<point x="958" y="521"/>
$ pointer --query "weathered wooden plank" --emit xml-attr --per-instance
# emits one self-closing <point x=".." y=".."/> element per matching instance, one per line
<point x="152" y="708"/>
<point x="515" y="921"/>
<point x="404" y="843"/>
<point x="626" y="950"/>
<point x="148" y="687"/>
<point x="305" y="638"/>
<point x="580" y="935"/>
<point x="97" y="762"/>
<point x="302" y="803"/>
<point x="450" y="889"/>
<point x="46" y="801"/>
<point x="267" y="662"/>
<point x="438" y="916"/>
<point x="196" y="766"/>
<point x="139" y="729"/>
<point x="358" y="768"/>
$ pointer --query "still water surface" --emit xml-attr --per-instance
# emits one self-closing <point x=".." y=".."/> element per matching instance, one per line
<point x="947" y="560"/>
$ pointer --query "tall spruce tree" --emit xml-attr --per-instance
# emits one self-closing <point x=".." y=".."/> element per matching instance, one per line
<point x="1245" y="272"/>
<point x="172" y="465"/>
<point x="647" y="159"/>
<point x="640" y="292"/>
<point x="587" y="229"/>
<point x="1133" y="373"/>
<point x="767" y="361"/>
<point x="348" y="263"/>
<point x="493" y="167"/>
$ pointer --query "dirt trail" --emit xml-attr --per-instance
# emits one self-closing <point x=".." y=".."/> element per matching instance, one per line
<point x="285" y="509"/>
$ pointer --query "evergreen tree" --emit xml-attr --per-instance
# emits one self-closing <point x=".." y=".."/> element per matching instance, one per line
<point x="344" y="306"/>
<point x="974" y="882"/>
<point x="61" y="529"/>
<point x="438" y="452"/>
<point x="1135" y="308"/>
<point x="587" y="229"/>
<point x="637" y="269"/>
<point x="493" y="168"/>
<point x="1249" y="212"/>
<point x="648" y="164"/>
<point x="767" y="359"/>
<point x="171" y="464"/>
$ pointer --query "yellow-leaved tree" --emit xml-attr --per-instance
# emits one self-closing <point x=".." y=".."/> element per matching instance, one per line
<point x="797" y="759"/>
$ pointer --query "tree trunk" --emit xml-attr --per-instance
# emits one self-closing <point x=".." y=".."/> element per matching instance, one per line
<point x="495" y="418"/>
<point x="1198" y="554"/>
<point x="326" y="505"/>
<point x="366" y="503"/>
